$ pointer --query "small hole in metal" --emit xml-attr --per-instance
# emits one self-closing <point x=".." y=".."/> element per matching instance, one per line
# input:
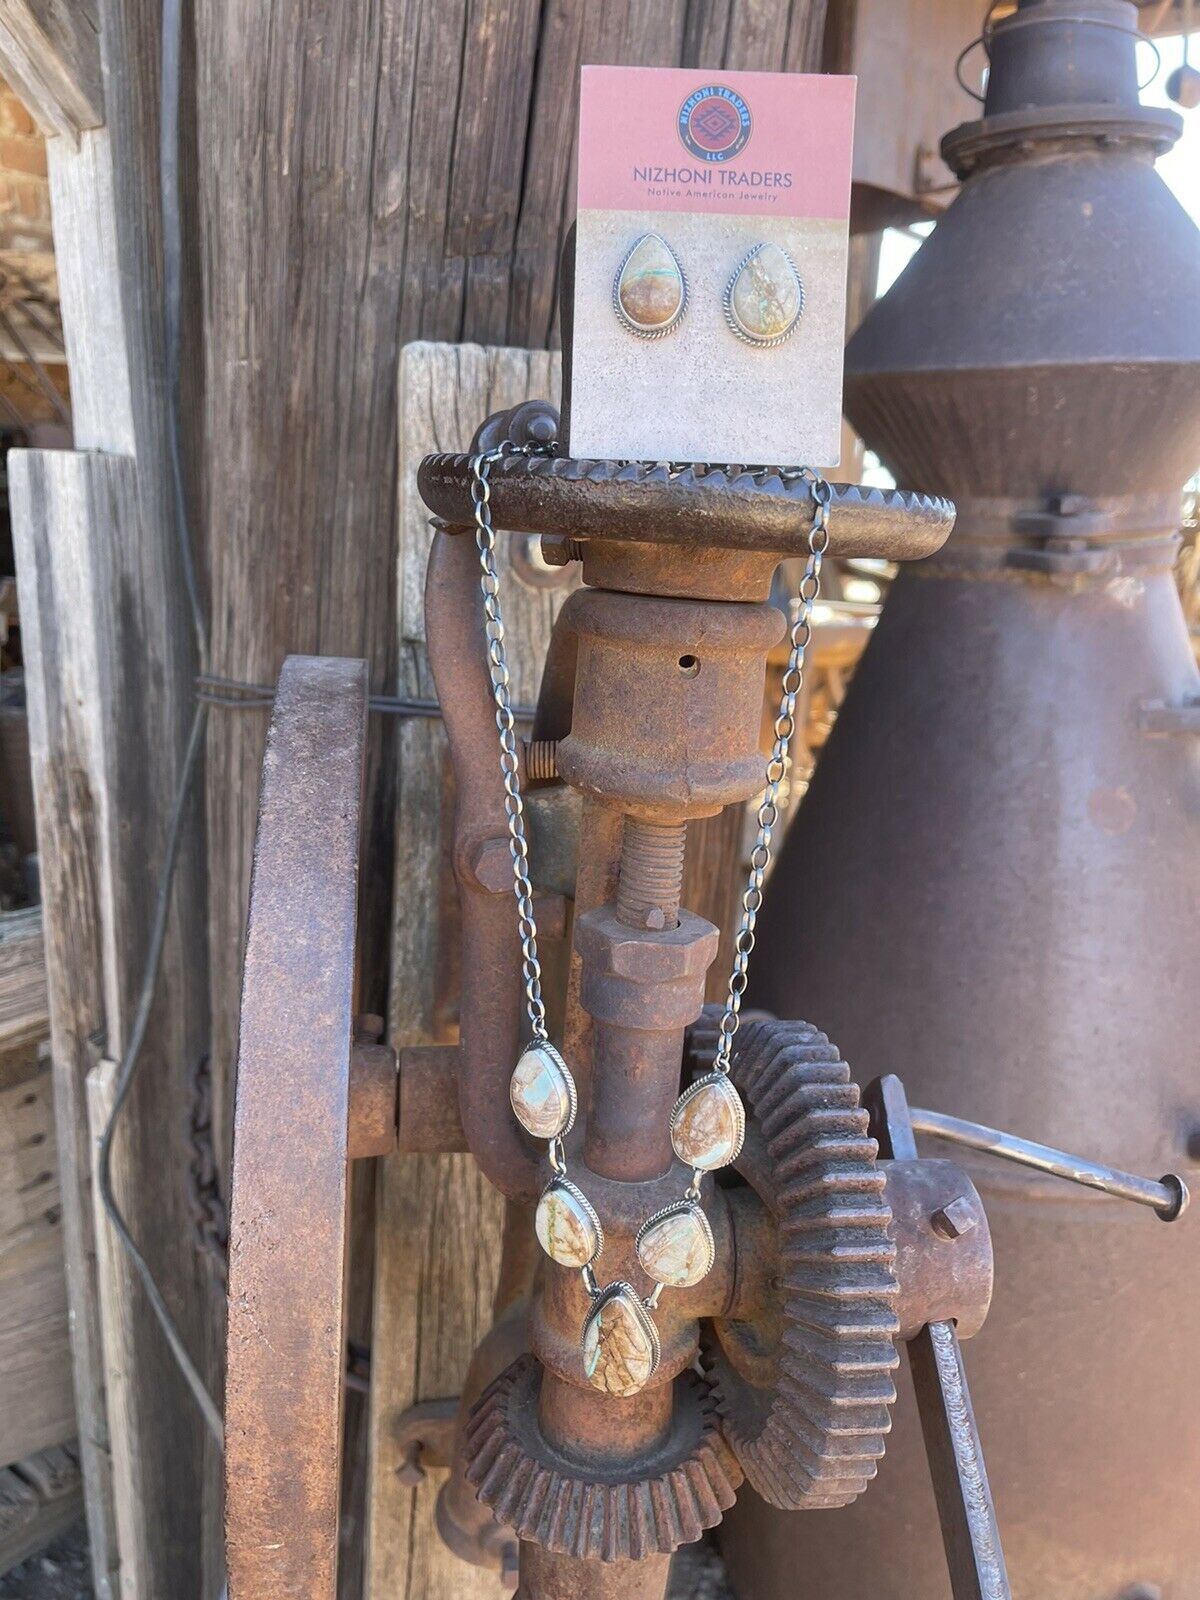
<point x="689" y="665"/>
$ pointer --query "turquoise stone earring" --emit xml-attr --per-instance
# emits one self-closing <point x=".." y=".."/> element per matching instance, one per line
<point x="650" y="290"/>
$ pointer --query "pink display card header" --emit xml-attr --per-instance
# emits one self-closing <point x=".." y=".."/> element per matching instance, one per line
<point x="740" y="143"/>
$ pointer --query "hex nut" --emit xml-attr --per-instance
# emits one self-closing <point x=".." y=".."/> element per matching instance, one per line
<point x="685" y="951"/>
<point x="491" y="862"/>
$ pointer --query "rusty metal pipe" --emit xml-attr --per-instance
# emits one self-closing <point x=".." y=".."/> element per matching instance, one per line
<point x="546" y="1575"/>
<point x="635" y="1082"/>
<point x="490" y="1009"/>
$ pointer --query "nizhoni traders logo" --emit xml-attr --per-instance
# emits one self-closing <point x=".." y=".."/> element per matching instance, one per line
<point x="714" y="123"/>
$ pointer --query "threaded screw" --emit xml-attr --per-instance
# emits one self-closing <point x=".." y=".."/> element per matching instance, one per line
<point x="541" y="759"/>
<point x="651" y="881"/>
<point x="558" y="551"/>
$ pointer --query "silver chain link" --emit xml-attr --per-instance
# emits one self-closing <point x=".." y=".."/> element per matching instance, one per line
<point x="518" y="847"/>
<point x="785" y="727"/>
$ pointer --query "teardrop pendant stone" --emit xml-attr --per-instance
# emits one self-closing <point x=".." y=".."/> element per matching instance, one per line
<point x="620" y="1342"/>
<point x="542" y="1092"/>
<point x="708" y="1123"/>
<point x="765" y="297"/>
<point x="650" y="292"/>
<point x="568" y="1229"/>
<point x="676" y="1246"/>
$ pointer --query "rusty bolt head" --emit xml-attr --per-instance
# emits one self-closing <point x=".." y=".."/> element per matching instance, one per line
<point x="410" y="1471"/>
<point x="955" y="1218"/>
<point x="491" y="862"/>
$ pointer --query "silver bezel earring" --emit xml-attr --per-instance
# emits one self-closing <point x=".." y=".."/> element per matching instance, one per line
<point x="648" y="330"/>
<point x="746" y="335"/>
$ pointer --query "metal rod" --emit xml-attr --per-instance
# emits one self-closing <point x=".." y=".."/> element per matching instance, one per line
<point x="1168" y="1197"/>
<point x="974" y="1555"/>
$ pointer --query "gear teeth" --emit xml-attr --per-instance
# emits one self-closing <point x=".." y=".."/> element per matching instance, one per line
<point x="816" y="1439"/>
<point x="547" y="1500"/>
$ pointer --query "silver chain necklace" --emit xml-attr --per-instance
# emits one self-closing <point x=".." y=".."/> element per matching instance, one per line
<point x="675" y="1246"/>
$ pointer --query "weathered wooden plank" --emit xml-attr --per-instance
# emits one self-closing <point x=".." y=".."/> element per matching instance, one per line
<point x="439" y="1224"/>
<point x="37" y="1408"/>
<point x="86" y="252"/>
<point x="117" y="1290"/>
<point x="108" y="663"/>
<point x="62" y="759"/>
<point x="40" y="1498"/>
<point x="438" y="1229"/>
<point x="50" y="55"/>
<point x="108" y="238"/>
<point x="24" y="1018"/>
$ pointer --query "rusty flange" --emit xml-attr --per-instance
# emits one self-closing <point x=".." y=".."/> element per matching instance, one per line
<point x="806" y="1395"/>
<point x="286" y="1338"/>
<point x="676" y="1492"/>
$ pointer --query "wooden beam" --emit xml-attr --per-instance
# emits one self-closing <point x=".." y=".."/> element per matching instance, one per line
<point x="40" y="1498"/>
<point x="117" y="1291"/>
<point x="50" y="57"/>
<point x="35" y="1354"/>
<point x="109" y="675"/>
<point x="23" y="1015"/>
<point x="61" y="759"/>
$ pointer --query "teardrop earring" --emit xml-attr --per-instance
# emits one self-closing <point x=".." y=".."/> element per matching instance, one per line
<point x="764" y="299"/>
<point x="650" y="291"/>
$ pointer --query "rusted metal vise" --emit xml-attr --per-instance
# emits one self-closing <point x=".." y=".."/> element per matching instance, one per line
<point x="834" y="1242"/>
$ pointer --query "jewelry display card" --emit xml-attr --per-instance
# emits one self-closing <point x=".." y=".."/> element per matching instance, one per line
<point x="710" y="266"/>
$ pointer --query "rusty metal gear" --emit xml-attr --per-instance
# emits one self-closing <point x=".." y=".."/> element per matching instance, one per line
<point x="682" y="1489"/>
<point x="805" y="1398"/>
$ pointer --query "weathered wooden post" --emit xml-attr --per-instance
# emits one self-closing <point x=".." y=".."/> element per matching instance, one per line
<point x="110" y="664"/>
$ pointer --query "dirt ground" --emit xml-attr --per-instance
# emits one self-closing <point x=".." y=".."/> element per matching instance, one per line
<point x="59" y="1573"/>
